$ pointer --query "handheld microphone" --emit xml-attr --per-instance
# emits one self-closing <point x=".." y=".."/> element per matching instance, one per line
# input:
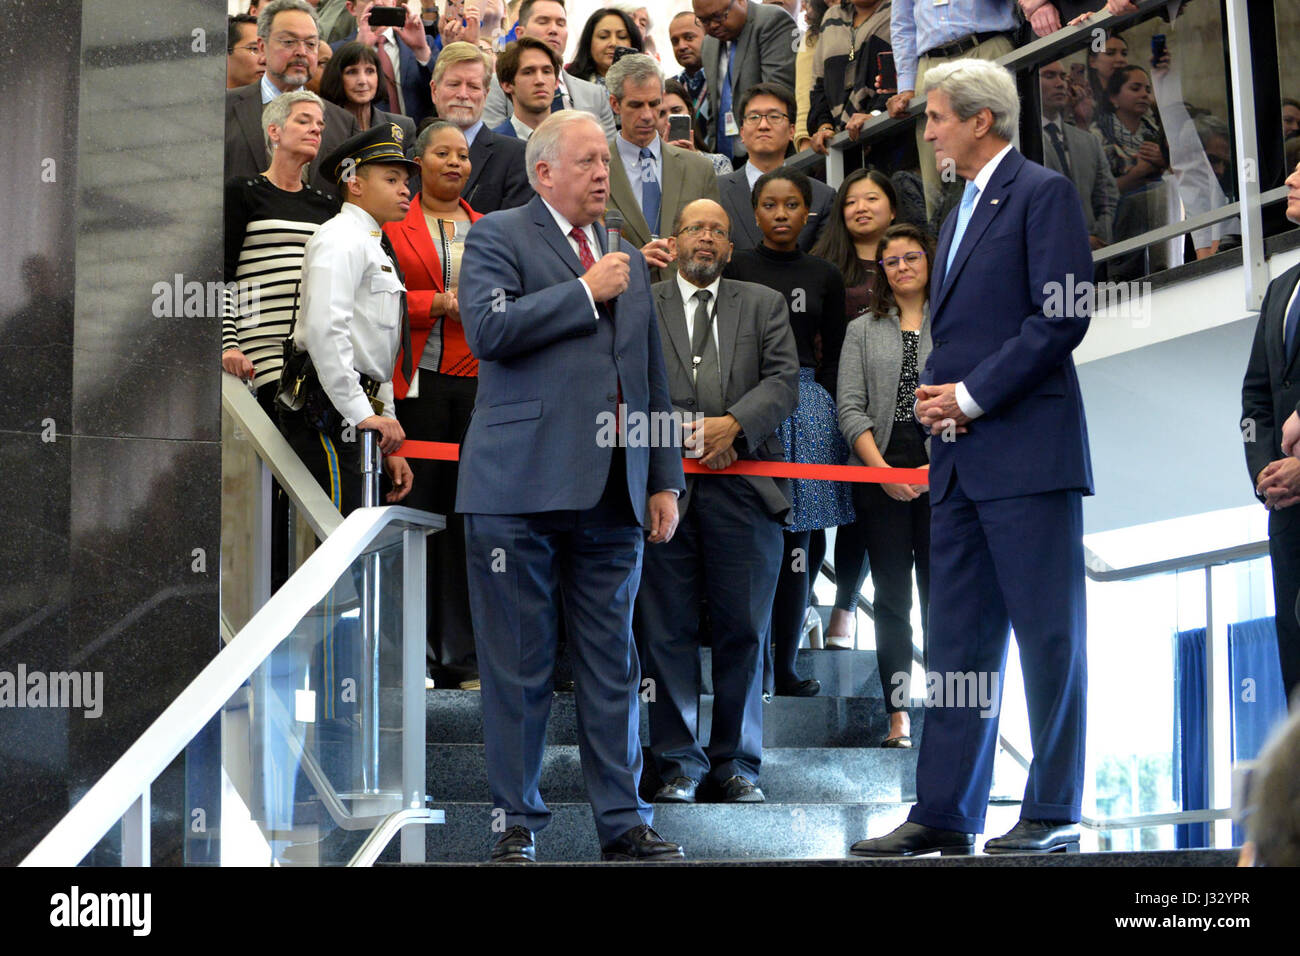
<point x="613" y="229"/>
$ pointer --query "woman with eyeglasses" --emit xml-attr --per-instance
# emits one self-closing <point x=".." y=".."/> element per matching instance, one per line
<point x="606" y="30"/>
<point x="884" y="350"/>
<point x="814" y="292"/>
<point x="351" y="80"/>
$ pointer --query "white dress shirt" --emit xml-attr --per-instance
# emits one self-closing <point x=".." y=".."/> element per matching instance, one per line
<point x="589" y="231"/>
<point x="969" y="407"/>
<point x="350" y="316"/>
<point x="688" y="306"/>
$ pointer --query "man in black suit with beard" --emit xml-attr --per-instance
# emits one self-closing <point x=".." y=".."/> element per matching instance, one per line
<point x="1270" y="394"/>
<point x="287" y="36"/>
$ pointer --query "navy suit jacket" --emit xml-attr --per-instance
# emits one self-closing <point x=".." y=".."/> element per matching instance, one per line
<point x="548" y="369"/>
<point x="997" y="328"/>
<point x="414" y="80"/>
<point x="507" y="128"/>
<point x="498" y="178"/>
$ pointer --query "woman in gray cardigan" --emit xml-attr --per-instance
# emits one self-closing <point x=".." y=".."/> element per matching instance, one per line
<point x="884" y="351"/>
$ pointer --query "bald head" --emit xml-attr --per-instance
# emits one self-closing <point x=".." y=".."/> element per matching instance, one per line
<point x="701" y="242"/>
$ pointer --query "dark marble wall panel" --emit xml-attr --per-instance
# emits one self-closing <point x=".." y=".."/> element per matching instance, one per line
<point x="109" y="418"/>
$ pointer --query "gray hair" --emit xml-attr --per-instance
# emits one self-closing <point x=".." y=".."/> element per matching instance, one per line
<point x="635" y="67"/>
<point x="277" y="111"/>
<point x="268" y="13"/>
<point x="973" y="85"/>
<point x="1274" y="826"/>
<point x="426" y="134"/>
<point x="547" y="140"/>
<point x="1208" y="126"/>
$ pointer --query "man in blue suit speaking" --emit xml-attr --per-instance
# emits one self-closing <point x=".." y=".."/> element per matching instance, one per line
<point x="1009" y="466"/>
<point x="565" y="332"/>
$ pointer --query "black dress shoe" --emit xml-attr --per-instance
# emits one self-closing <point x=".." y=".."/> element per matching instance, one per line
<point x="740" y="789"/>
<point x="515" y="846"/>
<point x="804" y="688"/>
<point x="1037" y="836"/>
<point x="640" y="843"/>
<point x="677" y="790"/>
<point x="914" y="839"/>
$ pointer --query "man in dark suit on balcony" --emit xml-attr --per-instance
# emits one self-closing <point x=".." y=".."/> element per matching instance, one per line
<point x="1009" y="468"/>
<point x="1270" y="393"/>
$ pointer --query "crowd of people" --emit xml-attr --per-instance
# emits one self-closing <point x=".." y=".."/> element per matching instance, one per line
<point x="462" y="293"/>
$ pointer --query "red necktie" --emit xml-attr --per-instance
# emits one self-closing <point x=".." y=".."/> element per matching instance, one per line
<point x="588" y="260"/>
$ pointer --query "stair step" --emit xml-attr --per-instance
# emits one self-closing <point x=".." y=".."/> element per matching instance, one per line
<point x="458" y="772"/>
<point x="456" y="717"/>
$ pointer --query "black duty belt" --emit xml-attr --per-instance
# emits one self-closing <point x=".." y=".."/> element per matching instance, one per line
<point x="962" y="44"/>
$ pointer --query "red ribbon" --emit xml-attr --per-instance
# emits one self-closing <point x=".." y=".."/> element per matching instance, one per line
<point x="449" y="451"/>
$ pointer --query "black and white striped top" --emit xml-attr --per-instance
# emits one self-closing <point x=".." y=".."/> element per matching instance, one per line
<point x="266" y="230"/>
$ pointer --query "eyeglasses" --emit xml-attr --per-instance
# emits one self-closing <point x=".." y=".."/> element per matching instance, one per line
<point x="717" y="18"/>
<point x="911" y="258"/>
<point x="773" y="118"/>
<point x="717" y="232"/>
<point x="292" y="43"/>
<point x="250" y="47"/>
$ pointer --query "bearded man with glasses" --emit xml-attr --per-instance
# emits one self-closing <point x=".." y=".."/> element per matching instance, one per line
<point x="288" y="39"/>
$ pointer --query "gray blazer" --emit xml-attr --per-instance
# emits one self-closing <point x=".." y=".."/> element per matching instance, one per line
<point x="764" y="52"/>
<point x="871" y="363"/>
<point x="745" y="233"/>
<point x="1091" y="176"/>
<point x="586" y="96"/>
<point x="760" y="373"/>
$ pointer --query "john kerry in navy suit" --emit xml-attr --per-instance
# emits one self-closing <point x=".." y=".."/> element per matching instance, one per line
<point x="564" y="331"/>
<point x="1009" y="466"/>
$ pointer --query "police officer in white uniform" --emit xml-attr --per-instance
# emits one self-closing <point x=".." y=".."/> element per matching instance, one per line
<point x="352" y="320"/>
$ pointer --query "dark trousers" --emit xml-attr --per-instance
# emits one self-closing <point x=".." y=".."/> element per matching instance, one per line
<point x="897" y="538"/>
<point x="1013" y="562"/>
<point x="725" y="556"/>
<point x="519" y="566"/>
<point x="441" y="413"/>
<point x="851" y="564"/>
<point x="280" y="516"/>
<point x="801" y="561"/>
<point x="1284" y="551"/>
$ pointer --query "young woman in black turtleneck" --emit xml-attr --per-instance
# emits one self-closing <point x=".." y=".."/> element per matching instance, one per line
<point x="814" y="291"/>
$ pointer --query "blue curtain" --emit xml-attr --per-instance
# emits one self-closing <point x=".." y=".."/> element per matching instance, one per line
<point x="1190" y="730"/>
<point x="1258" y="699"/>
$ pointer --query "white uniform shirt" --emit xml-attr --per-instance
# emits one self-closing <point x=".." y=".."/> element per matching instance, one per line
<point x="350" y="318"/>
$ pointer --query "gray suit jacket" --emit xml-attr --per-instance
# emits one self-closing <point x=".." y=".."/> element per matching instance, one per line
<point x="745" y="233"/>
<point x="764" y="52"/>
<point x="246" y="153"/>
<point x="687" y="177"/>
<point x="586" y="96"/>
<point x="1090" y="174"/>
<point x="871" y="362"/>
<point x="760" y="373"/>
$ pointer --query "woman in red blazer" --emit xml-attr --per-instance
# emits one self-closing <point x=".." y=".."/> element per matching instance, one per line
<point x="436" y="404"/>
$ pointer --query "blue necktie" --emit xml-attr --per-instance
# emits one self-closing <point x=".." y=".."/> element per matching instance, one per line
<point x="724" y="103"/>
<point x="963" y="220"/>
<point x="557" y="102"/>
<point x="1289" y="337"/>
<point x="650" y="194"/>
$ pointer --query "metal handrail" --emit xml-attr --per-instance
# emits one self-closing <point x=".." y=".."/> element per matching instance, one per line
<point x="128" y="781"/>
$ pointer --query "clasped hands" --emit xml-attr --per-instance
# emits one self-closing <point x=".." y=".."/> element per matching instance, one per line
<point x="713" y="439"/>
<point x="1279" y="482"/>
<point x="937" y="409"/>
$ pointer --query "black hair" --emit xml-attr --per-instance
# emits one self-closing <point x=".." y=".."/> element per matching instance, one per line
<point x="775" y="90"/>
<point x="882" y="295"/>
<point x="583" y="66"/>
<point x="232" y="29"/>
<point x="800" y="181"/>
<point x="836" y="244"/>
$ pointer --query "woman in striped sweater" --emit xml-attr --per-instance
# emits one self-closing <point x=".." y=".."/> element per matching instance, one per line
<point x="268" y="221"/>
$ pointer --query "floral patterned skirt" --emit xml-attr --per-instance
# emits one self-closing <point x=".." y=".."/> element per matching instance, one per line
<point x="812" y="436"/>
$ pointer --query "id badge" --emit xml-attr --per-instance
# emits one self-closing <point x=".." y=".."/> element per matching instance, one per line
<point x="940" y="3"/>
<point x="729" y="124"/>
